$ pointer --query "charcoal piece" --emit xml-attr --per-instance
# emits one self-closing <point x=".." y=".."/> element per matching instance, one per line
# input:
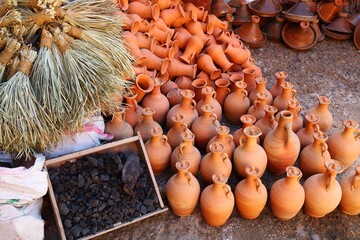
<point x="138" y="206"/>
<point x="92" y="161"/>
<point x="81" y="209"/>
<point x="143" y="210"/>
<point x="81" y="181"/>
<point x="64" y="210"/>
<point x="151" y="208"/>
<point x="102" y="207"/>
<point x="70" y="237"/>
<point x="85" y="232"/>
<point x="136" y="214"/>
<point x="76" y="230"/>
<point x="148" y="202"/>
<point x="104" y="178"/>
<point x="130" y="173"/>
<point x="67" y="223"/>
<point x="105" y="194"/>
<point x="94" y="203"/>
<point x="94" y="229"/>
<point x="94" y="173"/>
<point x="76" y="219"/>
<point x="59" y="188"/>
<point x="82" y="224"/>
<point x="73" y="169"/>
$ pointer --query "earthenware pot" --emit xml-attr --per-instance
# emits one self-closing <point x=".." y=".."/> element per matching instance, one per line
<point x="306" y="134"/>
<point x="350" y="187"/>
<point x="220" y="8"/>
<point x="194" y="46"/>
<point x="209" y="97"/>
<point x="299" y="36"/>
<point x="247" y="120"/>
<point x="249" y="78"/>
<point x="265" y="8"/>
<point x="251" y="34"/>
<point x="257" y="109"/>
<point x="288" y="93"/>
<point x="237" y="54"/>
<point x="144" y="10"/>
<point x="143" y="85"/>
<point x="328" y="11"/>
<point x="133" y="110"/>
<point x="174" y="134"/>
<point x="295" y="108"/>
<point x="236" y="103"/>
<point x="322" y="111"/>
<point x="218" y="56"/>
<point x="242" y="14"/>
<point x="223" y="136"/>
<point x="154" y="62"/>
<point x="273" y="29"/>
<point x="260" y="87"/>
<point x="174" y="96"/>
<point x="268" y="122"/>
<point x="299" y="12"/>
<point x="146" y="122"/>
<point x="118" y="127"/>
<point x="177" y="68"/>
<point x="276" y="89"/>
<point x="222" y="90"/>
<point x="171" y="14"/>
<point x="198" y="85"/>
<point x="206" y="64"/>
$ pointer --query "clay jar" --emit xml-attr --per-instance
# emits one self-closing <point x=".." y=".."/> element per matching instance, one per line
<point x="187" y="151"/>
<point x="345" y="146"/>
<point x="236" y="103"/>
<point x="237" y="54"/>
<point x="133" y="110"/>
<point x="143" y="85"/>
<point x="206" y="64"/>
<point x="218" y="56"/>
<point x="223" y="136"/>
<point x="183" y="190"/>
<point x="217" y="201"/>
<point x="158" y="150"/>
<point x="322" y="191"/>
<point x="322" y="110"/>
<point x="157" y="101"/>
<point x="282" y="145"/>
<point x="204" y="127"/>
<point x="287" y="196"/>
<point x="250" y="194"/>
<point x="312" y="157"/>
<point x="209" y="97"/>
<point x="145" y="10"/>
<point x="350" y="200"/>
<point x="154" y="62"/>
<point x="306" y="134"/>
<point x="261" y="87"/>
<point x="276" y="89"/>
<point x="250" y="153"/>
<point x="268" y="122"/>
<point x="287" y="93"/>
<point x="295" y="108"/>
<point x="249" y="78"/>
<point x="118" y="127"/>
<point x="215" y="162"/>
<point x="222" y="90"/>
<point x="174" y="96"/>
<point x="257" y="109"/>
<point x="174" y="134"/>
<point x="247" y="120"/>
<point x="193" y="47"/>
<point x="146" y="122"/>
<point x="198" y="85"/>
<point x="187" y="108"/>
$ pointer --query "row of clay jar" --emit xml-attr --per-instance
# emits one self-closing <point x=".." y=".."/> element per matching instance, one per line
<point x="320" y="194"/>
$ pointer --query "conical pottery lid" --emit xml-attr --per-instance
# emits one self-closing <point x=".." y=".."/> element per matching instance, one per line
<point x="340" y="24"/>
<point x="242" y="14"/>
<point x="299" y="36"/>
<point x="265" y="8"/>
<point x="299" y="12"/>
<point x="220" y="8"/>
<point x="273" y="29"/>
<point x="251" y="34"/>
<point x="357" y="37"/>
<point x="336" y="35"/>
<point x="354" y="19"/>
<point x="234" y="3"/>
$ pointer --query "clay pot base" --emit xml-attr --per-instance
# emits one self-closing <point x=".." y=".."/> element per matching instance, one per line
<point x="290" y="44"/>
<point x="357" y="36"/>
<point x="336" y="36"/>
<point x="255" y="44"/>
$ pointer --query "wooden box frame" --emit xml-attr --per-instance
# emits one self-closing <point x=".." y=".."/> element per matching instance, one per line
<point x="135" y="144"/>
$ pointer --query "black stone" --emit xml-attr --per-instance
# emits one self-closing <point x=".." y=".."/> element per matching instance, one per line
<point x="64" y="210"/>
<point x="94" y="203"/>
<point x="67" y="223"/>
<point x="81" y="181"/>
<point x="76" y="230"/>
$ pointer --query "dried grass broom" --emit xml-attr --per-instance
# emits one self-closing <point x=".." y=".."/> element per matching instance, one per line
<point x="6" y="55"/>
<point x="12" y="17"/>
<point x="25" y="127"/>
<point x="6" y="5"/>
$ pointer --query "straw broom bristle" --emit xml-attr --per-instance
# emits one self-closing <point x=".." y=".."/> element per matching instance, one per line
<point x="12" y="67"/>
<point x="6" y="55"/>
<point x="6" y="5"/>
<point x="25" y="126"/>
<point x="46" y="82"/>
<point x="11" y="17"/>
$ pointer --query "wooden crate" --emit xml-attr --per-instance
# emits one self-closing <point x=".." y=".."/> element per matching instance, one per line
<point x="134" y="144"/>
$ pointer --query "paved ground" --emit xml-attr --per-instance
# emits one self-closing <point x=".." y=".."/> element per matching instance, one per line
<point x="331" y="68"/>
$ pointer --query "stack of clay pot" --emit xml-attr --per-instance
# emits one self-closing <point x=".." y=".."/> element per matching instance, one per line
<point x="190" y="72"/>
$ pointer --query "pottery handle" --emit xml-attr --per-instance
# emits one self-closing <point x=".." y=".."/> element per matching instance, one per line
<point x="225" y="157"/>
<point x="355" y="182"/>
<point x="181" y="149"/>
<point x="245" y="94"/>
<point x="214" y="95"/>
<point x="165" y="139"/>
<point x="299" y="111"/>
<point x="257" y="184"/>
<point x="188" y="176"/>
<point x="228" y="89"/>
<point x="288" y="128"/>
<point x="136" y="106"/>
<point x="357" y="136"/>
<point x="214" y="118"/>
<point x="241" y="140"/>
<point x="193" y="104"/>
<point x="230" y="138"/>
<point x="227" y="190"/>
<point x="293" y="92"/>
<point x="324" y="148"/>
<point x="272" y="121"/>
<point x="183" y="126"/>
<point x="140" y="118"/>
<point x="256" y="103"/>
<point x="316" y="127"/>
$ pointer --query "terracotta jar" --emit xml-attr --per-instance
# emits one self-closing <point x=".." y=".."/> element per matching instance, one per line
<point x="163" y="51"/>
<point x="322" y="190"/>
<point x="282" y="145"/>
<point x="223" y="25"/>
<point x="257" y="109"/>
<point x="174" y="96"/>
<point x="247" y="120"/>
<point x="250" y="63"/>
<point x="218" y="56"/>
<point x="144" y="10"/>
<point x="198" y="84"/>
<point x="146" y="122"/>
<point x="276" y="89"/>
<point x="260" y="87"/>
<point x="184" y="82"/>
<point x="322" y="110"/>
<point x="345" y="146"/>
<point x="222" y="90"/>
<point x="203" y="75"/>
<point x="236" y="103"/>
<point x="311" y="126"/>
<point x="204" y="127"/>
<point x="187" y="108"/>
<point x="183" y="190"/>
<point x="237" y="54"/>
<point x="144" y="40"/>
<point x="154" y="62"/>
<point x="133" y="110"/>
<point x="206" y="64"/>
<point x="160" y="35"/>
<point x="131" y="44"/>
<point x="288" y="93"/>
<point x="167" y="86"/>
<point x="171" y="14"/>
<point x="295" y="108"/>
<point x="200" y="11"/>
<point x="187" y="151"/>
<point x="182" y="36"/>
<point x="251" y="34"/>
<point x="249" y="78"/>
<point x="209" y="97"/>
<point x="195" y="28"/>
<point x="193" y="47"/>
<point x="312" y="157"/>
<point x="250" y="153"/>
<point x="188" y="17"/>
<point x="177" y="68"/>
<point x="157" y="101"/>
<point x="215" y="162"/>
<point x="223" y="136"/>
<point x="158" y="150"/>
<point x="118" y="127"/>
<point x="143" y="84"/>
<point x="250" y="194"/>
<point x="174" y="134"/>
<point x="217" y="201"/>
<point x="268" y="122"/>
<point x="124" y="4"/>
<point x="233" y="78"/>
<point x="329" y="10"/>
<point x="287" y="196"/>
<point x="350" y="200"/>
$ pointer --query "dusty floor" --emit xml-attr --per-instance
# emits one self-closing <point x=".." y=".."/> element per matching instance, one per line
<point x="331" y="68"/>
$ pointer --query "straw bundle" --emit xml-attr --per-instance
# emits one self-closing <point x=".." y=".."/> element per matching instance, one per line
<point x="6" y="55"/>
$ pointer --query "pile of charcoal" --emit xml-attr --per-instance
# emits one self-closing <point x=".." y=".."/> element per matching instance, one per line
<point x="98" y="191"/>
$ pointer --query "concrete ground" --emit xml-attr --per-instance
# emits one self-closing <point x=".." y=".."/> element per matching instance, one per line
<point x="332" y="69"/>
